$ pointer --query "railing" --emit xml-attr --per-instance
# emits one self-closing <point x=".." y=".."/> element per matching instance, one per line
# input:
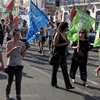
<point x="70" y="2"/>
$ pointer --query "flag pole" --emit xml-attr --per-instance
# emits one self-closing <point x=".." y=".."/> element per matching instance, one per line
<point x="58" y="30"/>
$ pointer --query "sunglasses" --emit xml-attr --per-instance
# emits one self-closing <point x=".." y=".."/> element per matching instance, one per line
<point x="82" y="32"/>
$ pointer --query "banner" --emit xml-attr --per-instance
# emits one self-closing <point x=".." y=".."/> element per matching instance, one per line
<point x="81" y="20"/>
<point x="37" y="20"/>
<point x="24" y="13"/>
<point x="96" y="41"/>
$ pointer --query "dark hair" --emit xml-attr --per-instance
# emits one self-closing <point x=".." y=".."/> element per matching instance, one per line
<point x="2" y="20"/>
<point x="14" y="31"/>
<point x="58" y="23"/>
<point x="24" y="22"/>
<point x="85" y="31"/>
<point x="62" y="26"/>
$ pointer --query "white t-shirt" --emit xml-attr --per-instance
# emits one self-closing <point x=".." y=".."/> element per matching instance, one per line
<point x="50" y="33"/>
<point x="45" y="30"/>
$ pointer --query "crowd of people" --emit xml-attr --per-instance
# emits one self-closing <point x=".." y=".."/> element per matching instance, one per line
<point x="57" y="43"/>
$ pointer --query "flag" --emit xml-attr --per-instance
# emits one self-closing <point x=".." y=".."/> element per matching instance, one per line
<point x="17" y="20"/>
<point x="10" y="7"/>
<point x="10" y="16"/>
<point x="37" y="20"/>
<point x="96" y="41"/>
<point x="81" y="20"/>
<point x="36" y="3"/>
<point x="72" y="13"/>
<point x="60" y="18"/>
<point x="84" y="9"/>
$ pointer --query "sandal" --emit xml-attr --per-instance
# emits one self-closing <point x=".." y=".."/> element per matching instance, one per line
<point x="85" y="84"/>
<point x="73" y="80"/>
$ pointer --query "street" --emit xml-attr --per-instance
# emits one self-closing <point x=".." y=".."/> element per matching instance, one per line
<point x="36" y="79"/>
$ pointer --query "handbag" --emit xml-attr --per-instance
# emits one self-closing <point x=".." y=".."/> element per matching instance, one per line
<point x="53" y="59"/>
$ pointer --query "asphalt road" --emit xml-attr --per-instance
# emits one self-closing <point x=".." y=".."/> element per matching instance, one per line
<point x="36" y="80"/>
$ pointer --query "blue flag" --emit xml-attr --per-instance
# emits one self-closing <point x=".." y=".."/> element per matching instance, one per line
<point x="37" y="20"/>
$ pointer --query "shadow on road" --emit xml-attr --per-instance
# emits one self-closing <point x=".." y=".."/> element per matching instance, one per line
<point x="86" y="97"/>
<point x="25" y="75"/>
<point x="12" y="99"/>
<point x="2" y="76"/>
<point x="91" y="87"/>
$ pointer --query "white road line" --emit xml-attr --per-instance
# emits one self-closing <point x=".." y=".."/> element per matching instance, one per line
<point x="46" y="63"/>
<point x="38" y="59"/>
<point x="61" y="81"/>
<point x="90" y="81"/>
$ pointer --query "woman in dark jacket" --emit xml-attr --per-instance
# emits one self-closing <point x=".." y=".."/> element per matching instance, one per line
<point x="60" y="43"/>
<point x="80" y="57"/>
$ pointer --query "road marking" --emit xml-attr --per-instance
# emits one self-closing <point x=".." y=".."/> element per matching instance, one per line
<point x="46" y="63"/>
<point x="61" y="81"/>
<point x="90" y="81"/>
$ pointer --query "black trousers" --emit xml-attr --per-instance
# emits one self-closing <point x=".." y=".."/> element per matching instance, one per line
<point x="1" y="39"/>
<point x="63" y="64"/>
<point x="8" y="38"/>
<point x="82" y="69"/>
<point x="18" y="78"/>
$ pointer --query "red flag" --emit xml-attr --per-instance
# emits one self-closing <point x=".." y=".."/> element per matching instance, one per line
<point x="10" y="7"/>
<point x="16" y="20"/>
<point x="36" y="3"/>
<point x="10" y="16"/>
<point x="60" y="18"/>
<point x="84" y="9"/>
<point x="72" y="14"/>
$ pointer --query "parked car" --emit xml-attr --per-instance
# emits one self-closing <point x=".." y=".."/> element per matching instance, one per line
<point x="91" y="37"/>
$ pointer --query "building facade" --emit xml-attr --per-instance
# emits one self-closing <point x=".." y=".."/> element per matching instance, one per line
<point x="65" y="6"/>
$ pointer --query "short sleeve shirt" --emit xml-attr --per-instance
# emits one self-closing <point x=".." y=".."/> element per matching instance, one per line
<point x="11" y="27"/>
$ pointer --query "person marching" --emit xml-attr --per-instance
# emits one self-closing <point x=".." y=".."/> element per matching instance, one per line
<point x="80" y="57"/>
<point x="1" y="60"/>
<point x="14" y="50"/>
<point x="24" y="29"/>
<point x="60" y="43"/>
<point x="9" y="27"/>
<point x="50" y="36"/>
<point x="2" y="31"/>
<point x="98" y="69"/>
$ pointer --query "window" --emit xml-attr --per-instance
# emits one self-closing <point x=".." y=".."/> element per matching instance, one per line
<point x="57" y="3"/>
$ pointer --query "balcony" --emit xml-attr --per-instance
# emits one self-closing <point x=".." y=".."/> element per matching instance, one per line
<point x="71" y="2"/>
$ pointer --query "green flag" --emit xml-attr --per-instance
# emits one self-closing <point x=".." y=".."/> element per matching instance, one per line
<point x="81" y="20"/>
<point x="10" y="7"/>
<point x="96" y="41"/>
<point x="0" y="21"/>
